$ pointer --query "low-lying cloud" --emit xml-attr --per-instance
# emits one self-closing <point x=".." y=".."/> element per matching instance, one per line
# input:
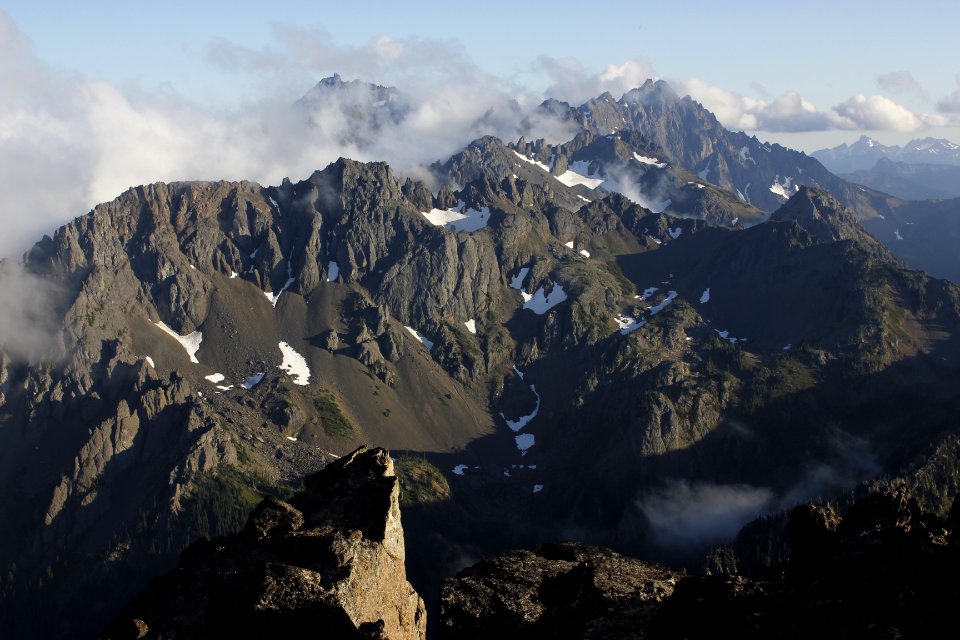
<point x="687" y="515"/>
<point x="692" y="514"/>
<point x="28" y="318"/>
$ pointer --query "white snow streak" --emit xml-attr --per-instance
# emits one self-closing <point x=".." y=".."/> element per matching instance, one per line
<point x="532" y="161"/>
<point x="190" y="342"/>
<point x="660" y="307"/>
<point x="651" y="161"/>
<point x="516" y="282"/>
<point x="572" y="178"/>
<point x="416" y="334"/>
<point x="253" y="380"/>
<point x="521" y="422"/>
<point x="295" y="365"/>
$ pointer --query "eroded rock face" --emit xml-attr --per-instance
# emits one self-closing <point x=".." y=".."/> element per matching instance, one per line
<point x="328" y="561"/>
<point x="566" y="590"/>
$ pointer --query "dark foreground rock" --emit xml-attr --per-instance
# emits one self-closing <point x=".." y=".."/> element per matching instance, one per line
<point x="885" y="569"/>
<point x="566" y="590"/>
<point x="328" y="563"/>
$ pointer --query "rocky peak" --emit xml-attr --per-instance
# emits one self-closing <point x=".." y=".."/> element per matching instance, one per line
<point x="331" y="558"/>
<point x="822" y="215"/>
<point x="649" y="92"/>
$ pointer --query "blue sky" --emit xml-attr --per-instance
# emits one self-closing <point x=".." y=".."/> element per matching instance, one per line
<point x="102" y="95"/>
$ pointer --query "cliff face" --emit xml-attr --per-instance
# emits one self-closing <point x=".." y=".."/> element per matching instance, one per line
<point x="331" y="558"/>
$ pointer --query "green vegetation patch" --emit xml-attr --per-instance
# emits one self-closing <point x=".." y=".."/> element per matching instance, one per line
<point x="335" y="423"/>
<point x="420" y="482"/>
<point x="220" y="501"/>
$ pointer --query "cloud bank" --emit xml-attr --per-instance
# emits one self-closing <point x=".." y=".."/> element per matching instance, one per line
<point x="791" y="113"/>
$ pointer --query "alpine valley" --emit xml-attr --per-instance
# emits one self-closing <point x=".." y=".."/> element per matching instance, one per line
<point x="642" y="338"/>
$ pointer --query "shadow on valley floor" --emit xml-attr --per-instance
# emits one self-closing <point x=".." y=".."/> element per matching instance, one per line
<point x="595" y="484"/>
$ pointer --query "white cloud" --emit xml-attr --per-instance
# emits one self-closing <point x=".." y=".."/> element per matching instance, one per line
<point x="876" y="113"/>
<point x="571" y="82"/>
<point x="791" y="112"/>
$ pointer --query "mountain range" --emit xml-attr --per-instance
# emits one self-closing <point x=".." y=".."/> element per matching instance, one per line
<point x="641" y="337"/>
<point x="910" y="181"/>
<point x="865" y="152"/>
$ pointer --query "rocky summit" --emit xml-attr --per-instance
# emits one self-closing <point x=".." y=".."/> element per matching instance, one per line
<point x="329" y="560"/>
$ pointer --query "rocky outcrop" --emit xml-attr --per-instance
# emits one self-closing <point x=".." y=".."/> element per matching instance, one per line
<point x="330" y="560"/>
<point x="566" y="590"/>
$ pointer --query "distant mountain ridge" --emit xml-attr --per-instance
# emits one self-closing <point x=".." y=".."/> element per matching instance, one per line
<point x="762" y="174"/>
<point x="910" y="181"/>
<point x="865" y="152"/>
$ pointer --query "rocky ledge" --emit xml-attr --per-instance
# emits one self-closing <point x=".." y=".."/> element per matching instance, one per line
<point x="330" y="560"/>
<point x="566" y="590"/>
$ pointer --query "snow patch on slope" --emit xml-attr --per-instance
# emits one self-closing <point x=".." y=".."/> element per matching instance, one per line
<point x="521" y="422"/>
<point x="333" y="271"/>
<point x="540" y="302"/>
<point x="295" y="365"/>
<point x="571" y="178"/>
<point x="253" y="381"/>
<point x="654" y="310"/>
<point x="785" y="190"/>
<point x="516" y="282"/>
<point x="458" y="220"/>
<point x="190" y="342"/>
<point x="532" y="161"/>
<point x="416" y="334"/>
<point x="651" y="161"/>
